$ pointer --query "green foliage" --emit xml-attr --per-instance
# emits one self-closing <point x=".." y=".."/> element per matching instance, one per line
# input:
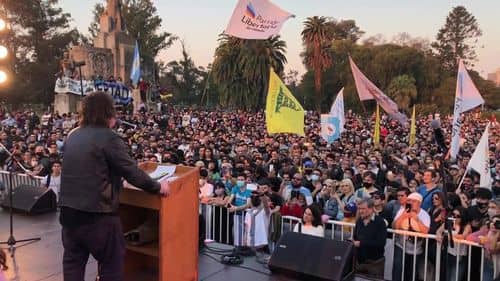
<point x="39" y="35"/>
<point x="403" y="91"/>
<point x="184" y="79"/>
<point x="457" y="39"/>
<point x="241" y="69"/>
<point x="317" y="36"/>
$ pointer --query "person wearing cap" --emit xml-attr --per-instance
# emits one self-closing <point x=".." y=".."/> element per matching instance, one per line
<point x="410" y="217"/>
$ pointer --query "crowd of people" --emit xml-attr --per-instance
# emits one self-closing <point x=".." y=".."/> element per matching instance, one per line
<point x="260" y="177"/>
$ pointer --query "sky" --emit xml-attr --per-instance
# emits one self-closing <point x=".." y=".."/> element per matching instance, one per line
<point x="198" y="23"/>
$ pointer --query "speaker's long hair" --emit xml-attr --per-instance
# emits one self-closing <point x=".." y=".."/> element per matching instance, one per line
<point x="97" y="109"/>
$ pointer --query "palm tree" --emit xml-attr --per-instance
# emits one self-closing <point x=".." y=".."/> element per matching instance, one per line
<point x="256" y="58"/>
<point x="241" y="69"/>
<point x="317" y="37"/>
<point x="403" y="90"/>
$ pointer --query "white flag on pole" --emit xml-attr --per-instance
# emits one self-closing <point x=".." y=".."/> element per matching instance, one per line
<point x="337" y="109"/>
<point x="368" y="91"/>
<point x="256" y="19"/>
<point x="480" y="161"/>
<point x="466" y="98"/>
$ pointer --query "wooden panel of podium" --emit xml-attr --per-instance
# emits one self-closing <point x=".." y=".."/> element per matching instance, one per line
<point x="174" y="257"/>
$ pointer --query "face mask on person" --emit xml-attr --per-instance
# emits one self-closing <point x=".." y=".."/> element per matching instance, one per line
<point x="240" y="183"/>
<point x="492" y="212"/>
<point x="314" y="177"/>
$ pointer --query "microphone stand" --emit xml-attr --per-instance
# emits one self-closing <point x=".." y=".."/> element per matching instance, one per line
<point x="448" y="228"/>
<point x="11" y="241"/>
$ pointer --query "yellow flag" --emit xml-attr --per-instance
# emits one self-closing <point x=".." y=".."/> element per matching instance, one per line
<point x="413" y="128"/>
<point x="284" y="114"/>
<point x="376" y="133"/>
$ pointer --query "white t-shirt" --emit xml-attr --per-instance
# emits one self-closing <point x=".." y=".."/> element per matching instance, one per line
<point x="424" y="217"/>
<point x="257" y="235"/>
<point x="54" y="184"/>
<point x="206" y="190"/>
<point x="318" y="231"/>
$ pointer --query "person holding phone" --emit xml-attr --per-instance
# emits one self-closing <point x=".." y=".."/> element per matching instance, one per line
<point x="410" y="217"/>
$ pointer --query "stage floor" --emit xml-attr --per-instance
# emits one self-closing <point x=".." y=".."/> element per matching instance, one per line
<point x="41" y="261"/>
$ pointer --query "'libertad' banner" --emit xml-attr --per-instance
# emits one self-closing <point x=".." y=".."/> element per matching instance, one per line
<point x="118" y="90"/>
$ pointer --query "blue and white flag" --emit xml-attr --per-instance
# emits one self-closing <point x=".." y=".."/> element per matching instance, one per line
<point x="337" y="109"/>
<point x="467" y="97"/>
<point x="330" y="128"/>
<point x="135" y="73"/>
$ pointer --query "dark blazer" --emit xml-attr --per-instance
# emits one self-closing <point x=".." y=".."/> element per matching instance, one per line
<point x="95" y="161"/>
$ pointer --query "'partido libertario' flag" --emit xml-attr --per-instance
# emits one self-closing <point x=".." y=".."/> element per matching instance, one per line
<point x="256" y="19"/>
<point x="330" y="127"/>
<point x="413" y="128"/>
<point x="480" y="160"/>
<point x="337" y="110"/>
<point x="368" y="91"/>
<point x="135" y="73"/>
<point x="467" y="97"/>
<point x="376" y="131"/>
<point x="284" y="114"/>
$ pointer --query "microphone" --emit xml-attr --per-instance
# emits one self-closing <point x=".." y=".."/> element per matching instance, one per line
<point x="119" y="122"/>
<point x="438" y="135"/>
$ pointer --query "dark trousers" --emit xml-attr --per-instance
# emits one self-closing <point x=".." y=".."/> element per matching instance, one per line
<point x="103" y="239"/>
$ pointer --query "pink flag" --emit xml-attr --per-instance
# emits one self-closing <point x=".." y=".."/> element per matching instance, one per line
<point x="368" y="91"/>
<point x="466" y="98"/>
<point x="256" y="19"/>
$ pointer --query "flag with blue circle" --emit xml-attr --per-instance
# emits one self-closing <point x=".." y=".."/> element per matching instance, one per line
<point x="330" y="127"/>
<point x="135" y="73"/>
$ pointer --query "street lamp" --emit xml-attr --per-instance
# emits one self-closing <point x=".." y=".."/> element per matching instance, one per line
<point x="3" y="76"/>
<point x="4" y="53"/>
<point x="3" y="24"/>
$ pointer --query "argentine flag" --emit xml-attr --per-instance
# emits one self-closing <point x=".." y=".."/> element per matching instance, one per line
<point x="135" y="73"/>
<point x="330" y="127"/>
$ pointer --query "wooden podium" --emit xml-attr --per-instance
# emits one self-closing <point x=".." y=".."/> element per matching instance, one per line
<point x="174" y="257"/>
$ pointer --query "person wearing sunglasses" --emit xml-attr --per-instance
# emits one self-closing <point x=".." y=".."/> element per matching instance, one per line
<point x="461" y="229"/>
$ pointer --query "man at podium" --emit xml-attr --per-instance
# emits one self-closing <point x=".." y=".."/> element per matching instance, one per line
<point x="95" y="161"/>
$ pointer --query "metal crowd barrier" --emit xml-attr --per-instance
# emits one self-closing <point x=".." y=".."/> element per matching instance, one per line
<point x="17" y="180"/>
<point x="220" y="227"/>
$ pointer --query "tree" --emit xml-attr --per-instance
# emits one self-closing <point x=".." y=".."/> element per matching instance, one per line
<point x="346" y="30"/>
<point x="457" y="39"/>
<point x="184" y="78"/>
<point x="40" y="33"/>
<point x="403" y="90"/>
<point x="94" y="25"/>
<point x="241" y="69"/>
<point x="143" y="23"/>
<point x="317" y="37"/>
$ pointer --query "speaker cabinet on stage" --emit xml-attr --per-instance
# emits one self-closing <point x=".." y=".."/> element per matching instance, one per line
<point x="31" y="200"/>
<point x="307" y="257"/>
<point x="175" y="255"/>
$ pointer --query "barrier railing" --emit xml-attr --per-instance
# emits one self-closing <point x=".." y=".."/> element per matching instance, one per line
<point x="415" y="256"/>
<point x="17" y="179"/>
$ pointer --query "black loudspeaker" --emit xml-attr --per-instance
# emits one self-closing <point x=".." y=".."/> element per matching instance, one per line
<point x="306" y="257"/>
<point x="31" y="200"/>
